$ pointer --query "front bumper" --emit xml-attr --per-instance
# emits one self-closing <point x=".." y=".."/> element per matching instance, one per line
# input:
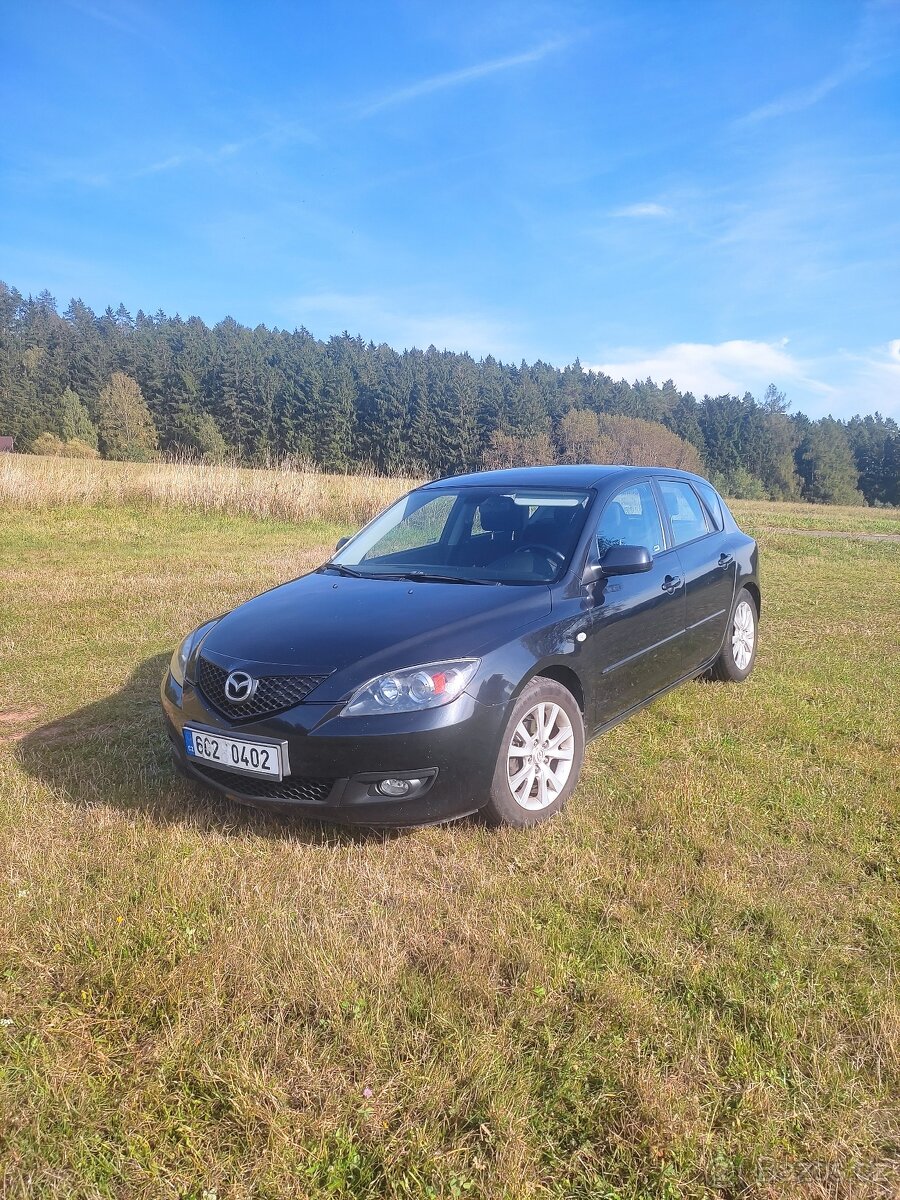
<point x="335" y="760"/>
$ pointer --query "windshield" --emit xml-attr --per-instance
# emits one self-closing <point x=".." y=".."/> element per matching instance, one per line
<point x="471" y="535"/>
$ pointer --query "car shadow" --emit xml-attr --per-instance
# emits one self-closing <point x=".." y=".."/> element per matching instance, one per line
<point x="115" y="753"/>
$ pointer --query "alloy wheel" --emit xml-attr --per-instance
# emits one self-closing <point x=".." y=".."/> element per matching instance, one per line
<point x="540" y="755"/>
<point x="743" y="635"/>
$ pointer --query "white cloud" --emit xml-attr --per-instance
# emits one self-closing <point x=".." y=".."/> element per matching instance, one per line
<point x="401" y="325"/>
<point x="452" y="79"/>
<point x="643" y="210"/>
<point x="838" y="382"/>
<point x="701" y="367"/>
<point x="874" y="378"/>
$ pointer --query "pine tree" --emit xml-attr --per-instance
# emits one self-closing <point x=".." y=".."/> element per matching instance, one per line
<point x="333" y="431"/>
<point x="871" y="439"/>
<point x="72" y="421"/>
<point x="264" y="393"/>
<point x="826" y="465"/>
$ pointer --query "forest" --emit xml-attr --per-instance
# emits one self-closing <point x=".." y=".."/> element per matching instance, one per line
<point x="139" y="387"/>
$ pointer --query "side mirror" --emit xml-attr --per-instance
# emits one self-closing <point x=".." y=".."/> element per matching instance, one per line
<point x="619" y="560"/>
<point x="341" y="542"/>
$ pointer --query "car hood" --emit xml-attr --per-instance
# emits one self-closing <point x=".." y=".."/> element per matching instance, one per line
<point x="355" y="629"/>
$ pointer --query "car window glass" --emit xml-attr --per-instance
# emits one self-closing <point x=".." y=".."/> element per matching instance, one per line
<point x="421" y="527"/>
<point x="631" y="518"/>
<point x="501" y="535"/>
<point x="685" y="511"/>
<point x="478" y="526"/>
<point x="713" y="503"/>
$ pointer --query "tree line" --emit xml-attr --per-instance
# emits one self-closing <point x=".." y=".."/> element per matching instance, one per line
<point x="134" y="387"/>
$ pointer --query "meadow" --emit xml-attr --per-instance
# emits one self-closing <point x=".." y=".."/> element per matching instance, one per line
<point x="683" y="986"/>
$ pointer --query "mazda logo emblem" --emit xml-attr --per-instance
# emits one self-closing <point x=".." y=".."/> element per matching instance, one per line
<point x="239" y="687"/>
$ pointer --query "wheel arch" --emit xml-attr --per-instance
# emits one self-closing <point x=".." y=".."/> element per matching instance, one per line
<point x="753" y="589"/>
<point x="560" y="674"/>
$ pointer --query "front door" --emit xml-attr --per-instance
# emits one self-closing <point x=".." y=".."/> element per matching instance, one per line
<point x="637" y="621"/>
<point x="707" y="567"/>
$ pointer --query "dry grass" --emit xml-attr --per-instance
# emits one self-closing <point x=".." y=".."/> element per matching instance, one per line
<point x="685" y="986"/>
<point x="769" y="515"/>
<point x="288" y="494"/>
<point x="282" y="493"/>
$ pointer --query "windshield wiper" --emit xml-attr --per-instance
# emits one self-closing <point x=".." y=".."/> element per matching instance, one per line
<point x="431" y="577"/>
<point x="342" y="570"/>
<point x="415" y="576"/>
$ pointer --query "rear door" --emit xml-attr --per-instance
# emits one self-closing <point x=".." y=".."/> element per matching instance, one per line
<point x="637" y="621"/>
<point x="707" y="566"/>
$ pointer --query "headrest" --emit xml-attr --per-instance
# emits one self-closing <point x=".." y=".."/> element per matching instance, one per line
<point x="556" y="517"/>
<point x="614" y="517"/>
<point x="500" y="514"/>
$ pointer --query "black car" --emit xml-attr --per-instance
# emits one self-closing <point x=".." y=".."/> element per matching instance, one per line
<point x="457" y="653"/>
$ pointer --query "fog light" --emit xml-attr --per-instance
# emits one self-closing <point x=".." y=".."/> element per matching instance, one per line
<point x="398" y="787"/>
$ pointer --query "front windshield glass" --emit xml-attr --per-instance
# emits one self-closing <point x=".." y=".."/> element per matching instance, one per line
<point x="471" y="535"/>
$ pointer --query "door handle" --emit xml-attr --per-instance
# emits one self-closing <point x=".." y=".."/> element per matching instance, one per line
<point x="671" y="584"/>
<point x="725" y="560"/>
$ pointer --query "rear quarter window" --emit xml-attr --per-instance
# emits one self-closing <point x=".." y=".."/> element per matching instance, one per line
<point x="712" y="502"/>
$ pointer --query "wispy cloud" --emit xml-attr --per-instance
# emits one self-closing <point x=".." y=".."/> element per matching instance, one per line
<point x="403" y="324"/>
<point x="281" y="134"/>
<point x="875" y="377"/>
<point x="193" y="157"/>
<point x="454" y="79"/>
<point x="643" y="210"/>
<point x="801" y="98"/>
<point x="123" y="16"/>
<point x="877" y="30"/>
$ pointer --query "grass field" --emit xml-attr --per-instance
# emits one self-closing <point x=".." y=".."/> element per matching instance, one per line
<point x="684" y="986"/>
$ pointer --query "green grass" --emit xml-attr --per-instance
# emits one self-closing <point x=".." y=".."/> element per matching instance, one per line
<point x="684" y="986"/>
<point x="759" y="515"/>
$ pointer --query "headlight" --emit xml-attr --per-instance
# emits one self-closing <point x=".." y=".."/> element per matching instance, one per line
<point x="413" y="688"/>
<point x="183" y="653"/>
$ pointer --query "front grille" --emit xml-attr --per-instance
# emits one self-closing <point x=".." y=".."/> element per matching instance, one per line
<point x="313" y="791"/>
<point x="274" y="693"/>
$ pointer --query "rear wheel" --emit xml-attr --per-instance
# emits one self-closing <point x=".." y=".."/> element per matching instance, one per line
<point x="738" y="653"/>
<point x="540" y="756"/>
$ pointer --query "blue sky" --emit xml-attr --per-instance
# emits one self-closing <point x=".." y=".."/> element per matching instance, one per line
<point x="703" y="191"/>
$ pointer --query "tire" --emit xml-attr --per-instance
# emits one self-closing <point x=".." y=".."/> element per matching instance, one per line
<point x="738" y="653"/>
<point x="525" y="792"/>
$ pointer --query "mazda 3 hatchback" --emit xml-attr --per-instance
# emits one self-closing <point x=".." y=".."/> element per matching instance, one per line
<point x="458" y="652"/>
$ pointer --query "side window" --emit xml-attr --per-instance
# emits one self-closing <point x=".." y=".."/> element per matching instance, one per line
<point x="713" y="503"/>
<point x="685" y="511"/>
<point x="631" y="518"/>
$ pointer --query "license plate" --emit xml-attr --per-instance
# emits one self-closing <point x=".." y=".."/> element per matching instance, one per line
<point x="234" y="754"/>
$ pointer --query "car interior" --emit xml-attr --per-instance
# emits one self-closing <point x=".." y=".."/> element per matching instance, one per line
<point x="632" y="520"/>
<point x="495" y="536"/>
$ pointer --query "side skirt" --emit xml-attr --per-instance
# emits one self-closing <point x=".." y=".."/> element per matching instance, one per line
<point x="636" y="708"/>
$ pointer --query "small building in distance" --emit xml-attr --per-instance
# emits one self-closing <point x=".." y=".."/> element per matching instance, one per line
<point x="6" y="445"/>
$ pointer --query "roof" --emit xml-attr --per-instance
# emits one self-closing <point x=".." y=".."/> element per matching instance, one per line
<point x="582" y="475"/>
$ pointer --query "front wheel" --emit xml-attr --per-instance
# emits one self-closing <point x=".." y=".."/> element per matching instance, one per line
<point x="540" y="756"/>
<point x="738" y="653"/>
